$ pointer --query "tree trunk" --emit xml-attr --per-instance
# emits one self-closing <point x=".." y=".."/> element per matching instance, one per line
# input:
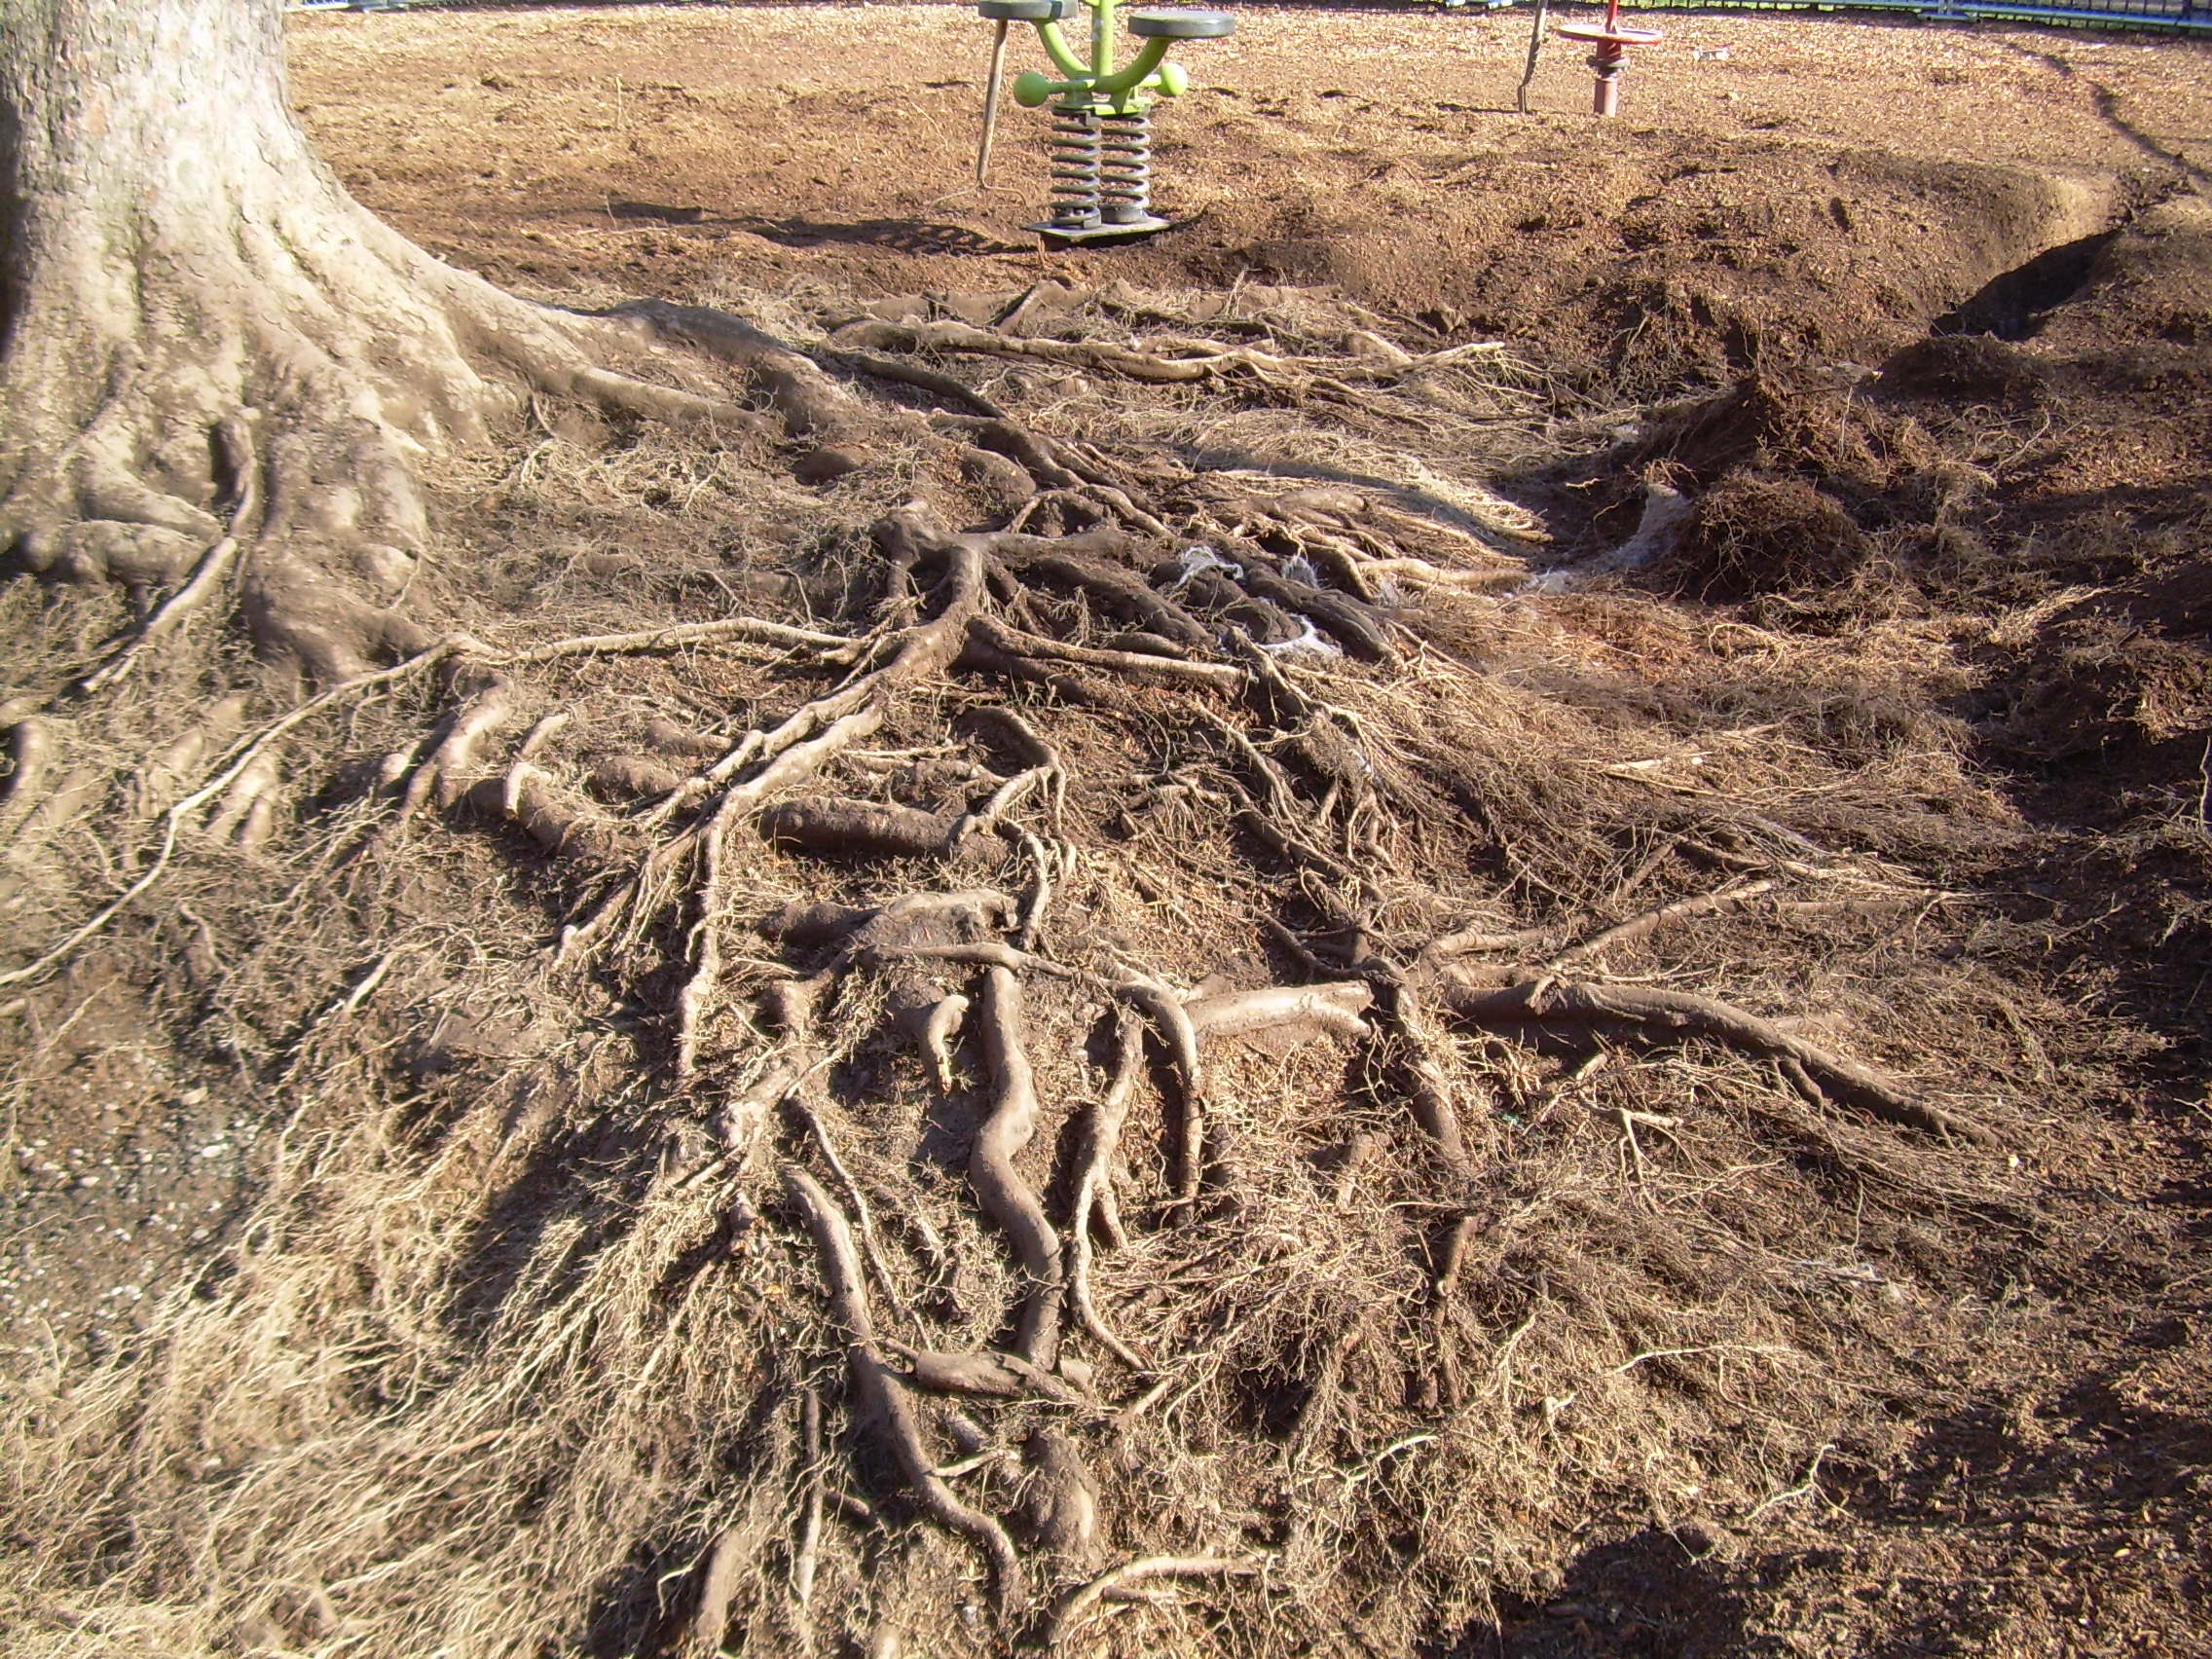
<point x="200" y="324"/>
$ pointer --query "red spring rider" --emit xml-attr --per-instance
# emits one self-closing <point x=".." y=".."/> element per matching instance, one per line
<point x="1610" y="54"/>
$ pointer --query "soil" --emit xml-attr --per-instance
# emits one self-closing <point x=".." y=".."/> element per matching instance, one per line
<point x="1916" y="316"/>
<point x="1828" y="189"/>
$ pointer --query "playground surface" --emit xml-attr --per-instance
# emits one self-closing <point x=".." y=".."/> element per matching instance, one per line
<point x="1830" y="184"/>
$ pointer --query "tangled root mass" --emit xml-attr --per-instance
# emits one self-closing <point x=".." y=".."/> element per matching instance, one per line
<point x="1115" y="1095"/>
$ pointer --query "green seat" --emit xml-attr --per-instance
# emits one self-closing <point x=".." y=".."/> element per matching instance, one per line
<point x="1024" y="11"/>
<point x="1180" y="23"/>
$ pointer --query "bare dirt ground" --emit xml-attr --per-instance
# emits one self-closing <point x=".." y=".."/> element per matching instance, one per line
<point x="1824" y="190"/>
<point x="1915" y="323"/>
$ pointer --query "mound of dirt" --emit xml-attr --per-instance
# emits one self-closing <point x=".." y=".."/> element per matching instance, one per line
<point x="1751" y="534"/>
<point x="1808" y="199"/>
<point x="1962" y="367"/>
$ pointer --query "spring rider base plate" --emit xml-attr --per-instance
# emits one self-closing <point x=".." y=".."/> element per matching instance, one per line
<point x="1101" y="232"/>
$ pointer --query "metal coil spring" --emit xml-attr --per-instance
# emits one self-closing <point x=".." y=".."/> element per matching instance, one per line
<point x="1076" y="165"/>
<point x="1126" y="186"/>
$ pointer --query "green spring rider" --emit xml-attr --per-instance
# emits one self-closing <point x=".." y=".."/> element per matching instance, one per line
<point x="1101" y="115"/>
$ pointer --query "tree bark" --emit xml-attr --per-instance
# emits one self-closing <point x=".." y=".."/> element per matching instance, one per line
<point x="187" y="292"/>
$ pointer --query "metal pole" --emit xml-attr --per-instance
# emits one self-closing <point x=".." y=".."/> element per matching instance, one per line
<point x="1610" y="59"/>
<point x="991" y="103"/>
<point x="1536" y="44"/>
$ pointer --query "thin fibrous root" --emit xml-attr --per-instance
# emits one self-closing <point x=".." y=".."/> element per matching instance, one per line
<point x="235" y="436"/>
<point x="1077" y="1605"/>
<point x="1651" y="921"/>
<point x="1175" y="361"/>
<point x="234" y="762"/>
<point x="879" y="1397"/>
<point x="1644" y="1010"/>
<point x="1005" y="1197"/>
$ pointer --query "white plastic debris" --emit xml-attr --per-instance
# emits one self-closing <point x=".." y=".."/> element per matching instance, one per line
<point x="1312" y="639"/>
<point x="1665" y="511"/>
<point x="1195" y="558"/>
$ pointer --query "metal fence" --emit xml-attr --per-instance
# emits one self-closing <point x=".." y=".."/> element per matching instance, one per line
<point x="2172" y="16"/>
<point x="2183" y="15"/>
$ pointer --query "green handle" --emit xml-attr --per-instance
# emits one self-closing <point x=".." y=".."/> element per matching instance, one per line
<point x="1098" y="80"/>
<point x="1056" y="48"/>
<point x="1137" y="73"/>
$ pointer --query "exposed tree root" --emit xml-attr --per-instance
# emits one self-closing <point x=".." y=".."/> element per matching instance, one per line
<point x="725" y="1569"/>
<point x="1201" y="740"/>
<point x="240" y="760"/>
<point x="31" y="750"/>
<point x="440" y="775"/>
<point x="1670" y="1015"/>
<point x="1167" y="361"/>
<point x="1005" y="1197"/>
<point x="1651" y="921"/>
<point x="1075" y="1608"/>
<point x="208" y="575"/>
<point x="1062" y="1507"/>
<point x="880" y="1398"/>
<point x="1094" y="1189"/>
<point x="989" y="1373"/>
<point x="1333" y="1008"/>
